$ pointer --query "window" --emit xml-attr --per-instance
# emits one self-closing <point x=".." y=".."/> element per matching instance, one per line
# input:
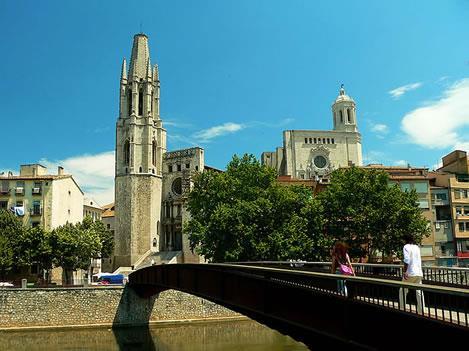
<point x="441" y="196"/>
<point x="196" y="168"/>
<point x="188" y="165"/>
<point x="19" y="203"/>
<point x="332" y="140"/>
<point x="153" y="153"/>
<point x="170" y="168"/>
<point x="349" y="116"/>
<point x="108" y="226"/>
<point x="458" y="210"/>
<point x="36" y="210"/>
<point x="466" y="210"/>
<point x="461" y="226"/>
<point x="140" y="102"/>
<point x="127" y="152"/>
<point x="177" y="186"/>
<point x="421" y="187"/>
<point x="457" y="194"/>
<point x="315" y="140"/>
<point x="179" y="168"/>
<point x="179" y="210"/>
<point x="3" y="204"/>
<point x="423" y="203"/>
<point x="306" y="140"/>
<point x="140" y="169"/>
<point x="320" y="161"/>
<point x="4" y="189"/>
<point x="405" y="186"/>
<point x="464" y="193"/>
<point x="129" y="101"/>
<point x="341" y="116"/>
<point x="328" y="140"/>
<point x="323" y="140"/>
<point x="168" y="210"/>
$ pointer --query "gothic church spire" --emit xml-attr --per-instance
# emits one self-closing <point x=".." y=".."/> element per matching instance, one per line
<point x="140" y="57"/>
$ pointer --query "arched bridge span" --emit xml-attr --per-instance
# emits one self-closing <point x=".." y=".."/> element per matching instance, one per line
<point x="309" y="306"/>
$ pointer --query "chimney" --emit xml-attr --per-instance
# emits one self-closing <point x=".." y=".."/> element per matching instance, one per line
<point x="60" y="170"/>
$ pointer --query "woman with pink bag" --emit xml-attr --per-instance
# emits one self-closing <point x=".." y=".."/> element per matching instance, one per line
<point x="341" y="265"/>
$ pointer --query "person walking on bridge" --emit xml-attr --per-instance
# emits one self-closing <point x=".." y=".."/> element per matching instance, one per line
<point x="412" y="273"/>
<point x="341" y="265"/>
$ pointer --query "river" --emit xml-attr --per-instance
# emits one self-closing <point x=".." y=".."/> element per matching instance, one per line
<point x="193" y="336"/>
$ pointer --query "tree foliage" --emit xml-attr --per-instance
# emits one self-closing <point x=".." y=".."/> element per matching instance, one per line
<point x="11" y="231"/>
<point x="362" y="208"/>
<point x="243" y="214"/>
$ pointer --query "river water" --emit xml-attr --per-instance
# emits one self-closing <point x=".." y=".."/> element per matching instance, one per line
<point x="195" y="336"/>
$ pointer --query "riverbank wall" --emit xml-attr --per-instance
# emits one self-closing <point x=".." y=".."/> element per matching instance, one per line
<point x="103" y="306"/>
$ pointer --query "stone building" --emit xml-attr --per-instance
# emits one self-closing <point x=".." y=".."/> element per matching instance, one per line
<point x="140" y="145"/>
<point x="92" y="209"/>
<point x="313" y="154"/>
<point x="42" y="199"/>
<point x="178" y="169"/>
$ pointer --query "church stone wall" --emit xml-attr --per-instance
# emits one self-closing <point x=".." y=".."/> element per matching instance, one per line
<point x="138" y="206"/>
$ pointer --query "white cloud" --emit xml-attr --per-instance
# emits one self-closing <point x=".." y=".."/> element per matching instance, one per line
<point x="213" y="132"/>
<point x="401" y="163"/>
<point x="380" y="128"/>
<point x="441" y="123"/>
<point x="398" y="92"/>
<point x="93" y="173"/>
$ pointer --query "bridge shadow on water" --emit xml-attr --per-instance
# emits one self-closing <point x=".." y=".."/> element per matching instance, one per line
<point x="131" y="322"/>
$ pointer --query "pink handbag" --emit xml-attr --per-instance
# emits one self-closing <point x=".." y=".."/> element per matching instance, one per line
<point x="345" y="270"/>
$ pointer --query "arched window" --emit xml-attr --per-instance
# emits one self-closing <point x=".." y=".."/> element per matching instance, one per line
<point x="153" y="153"/>
<point x="140" y="102"/>
<point x="349" y="116"/>
<point x="127" y="152"/>
<point x="140" y="169"/>
<point x="129" y="101"/>
<point x="341" y="117"/>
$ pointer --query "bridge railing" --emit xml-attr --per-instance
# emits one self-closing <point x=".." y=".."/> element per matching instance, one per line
<point x="434" y="275"/>
<point x="235" y="283"/>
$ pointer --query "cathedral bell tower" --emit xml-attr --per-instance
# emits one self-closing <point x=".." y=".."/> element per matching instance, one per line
<point x="140" y="144"/>
<point x="344" y="113"/>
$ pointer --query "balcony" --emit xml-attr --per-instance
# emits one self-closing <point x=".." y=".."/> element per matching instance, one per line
<point x="440" y="202"/>
<point x="443" y="231"/>
<point x="19" y="190"/>
<point x="35" y="211"/>
<point x="36" y="191"/>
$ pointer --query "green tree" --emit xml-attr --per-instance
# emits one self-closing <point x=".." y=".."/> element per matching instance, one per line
<point x="243" y="214"/>
<point x="105" y="235"/>
<point x="74" y="246"/>
<point x="11" y="231"/>
<point x="36" y="248"/>
<point x="363" y="209"/>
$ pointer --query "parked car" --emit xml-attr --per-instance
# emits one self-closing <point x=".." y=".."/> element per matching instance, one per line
<point x="109" y="278"/>
<point x="6" y="285"/>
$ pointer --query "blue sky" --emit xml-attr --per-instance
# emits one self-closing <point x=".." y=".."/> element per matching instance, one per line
<point x="234" y="75"/>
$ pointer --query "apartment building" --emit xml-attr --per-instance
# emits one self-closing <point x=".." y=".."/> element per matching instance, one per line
<point x="42" y="199"/>
<point x="454" y="177"/>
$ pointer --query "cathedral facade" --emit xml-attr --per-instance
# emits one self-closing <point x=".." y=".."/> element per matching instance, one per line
<point x="313" y="154"/>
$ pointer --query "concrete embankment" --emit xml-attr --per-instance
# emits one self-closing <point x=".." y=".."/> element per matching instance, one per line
<point x="105" y="306"/>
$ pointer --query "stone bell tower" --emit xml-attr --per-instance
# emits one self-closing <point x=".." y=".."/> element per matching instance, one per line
<point x="140" y="145"/>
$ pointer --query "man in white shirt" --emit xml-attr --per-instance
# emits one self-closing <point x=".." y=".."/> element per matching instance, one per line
<point x="412" y="273"/>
